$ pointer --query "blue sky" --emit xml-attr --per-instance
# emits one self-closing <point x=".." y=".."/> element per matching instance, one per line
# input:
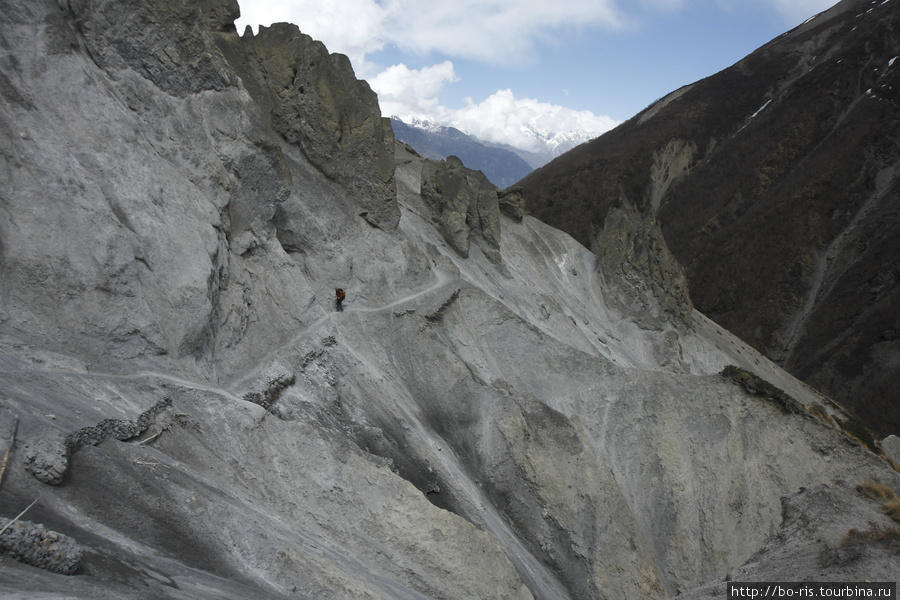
<point x="488" y="66"/>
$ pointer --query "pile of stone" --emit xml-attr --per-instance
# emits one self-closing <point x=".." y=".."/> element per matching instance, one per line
<point x="35" y="545"/>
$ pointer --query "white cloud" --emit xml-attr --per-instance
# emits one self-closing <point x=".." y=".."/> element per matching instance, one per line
<point x="488" y="31"/>
<point x="492" y="31"/>
<point x="405" y="91"/>
<point x="797" y="11"/>
<point x="504" y="119"/>
<point x="501" y="118"/>
<point x="351" y="27"/>
<point x="668" y="5"/>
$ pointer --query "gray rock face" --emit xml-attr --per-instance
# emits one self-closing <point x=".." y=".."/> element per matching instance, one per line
<point x="166" y="42"/>
<point x="831" y="531"/>
<point x="640" y="272"/>
<point x="312" y="99"/>
<point x="462" y="202"/>
<point x="891" y="447"/>
<point x="511" y="203"/>
<point x="466" y="427"/>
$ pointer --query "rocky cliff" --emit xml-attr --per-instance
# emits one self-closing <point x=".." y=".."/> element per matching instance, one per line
<point x="183" y="413"/>
<point x="775" y="183"/>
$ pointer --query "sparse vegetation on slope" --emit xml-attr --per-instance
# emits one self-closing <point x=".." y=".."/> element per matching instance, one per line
<point x="785" y="218"/>
<point x="885" y="494"/>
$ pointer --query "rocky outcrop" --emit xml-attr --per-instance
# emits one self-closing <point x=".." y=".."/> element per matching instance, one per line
<point x="117" y="429"/>
<point x="270" y="387"/>
<point x="169" y="43"/>
<point x="312" y="99"/>
<point x="463" y="204"/>
<point x="891" y="447"/>
<point x="46" y="459"/>
<point x="511" y="203"/>
<point x="639" y="273"/>
<point x="309" y="96"/>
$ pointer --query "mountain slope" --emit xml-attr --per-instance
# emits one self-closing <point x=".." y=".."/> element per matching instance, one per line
<point x="494" y="414"/>
<point x="500" y="166"/>
<point x="775" y="182"/>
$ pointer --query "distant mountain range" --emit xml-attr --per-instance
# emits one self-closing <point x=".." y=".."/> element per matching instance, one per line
<point x="776" y="183"/>
<point x="503" y="165"/>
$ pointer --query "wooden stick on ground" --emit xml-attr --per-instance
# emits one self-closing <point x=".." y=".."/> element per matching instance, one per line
<point x="19" y="516"/>
<point x="12" y="441"/>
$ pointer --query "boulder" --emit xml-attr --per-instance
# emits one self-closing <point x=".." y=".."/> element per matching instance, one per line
<point x="891" y="448"/>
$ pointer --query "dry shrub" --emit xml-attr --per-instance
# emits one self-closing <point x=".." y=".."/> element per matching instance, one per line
<point x="818" y="412"/>
<point x="884" y="535"/>
<point x="892" y="509"/>
<point x="875" y="490"/>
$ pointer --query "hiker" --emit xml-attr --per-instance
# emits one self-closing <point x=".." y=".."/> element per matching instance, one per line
<point x="339" y="296"/>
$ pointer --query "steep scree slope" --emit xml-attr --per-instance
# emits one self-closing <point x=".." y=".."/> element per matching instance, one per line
<point x="180" y="398"/>
<point x="775" y="182"/>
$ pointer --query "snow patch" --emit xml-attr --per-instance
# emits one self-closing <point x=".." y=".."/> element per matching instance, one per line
<point x="543" y="141"/>
<point x="751" y="117"/>
<point x="761" y="108"/>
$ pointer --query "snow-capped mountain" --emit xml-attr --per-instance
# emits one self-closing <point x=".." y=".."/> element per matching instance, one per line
<point x="543" y="144"/>
<point x="501" y="165"/>
<point x="551" y="144"/>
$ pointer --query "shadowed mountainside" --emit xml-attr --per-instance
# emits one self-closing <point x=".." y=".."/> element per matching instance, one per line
<point x="775" y="182"/>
